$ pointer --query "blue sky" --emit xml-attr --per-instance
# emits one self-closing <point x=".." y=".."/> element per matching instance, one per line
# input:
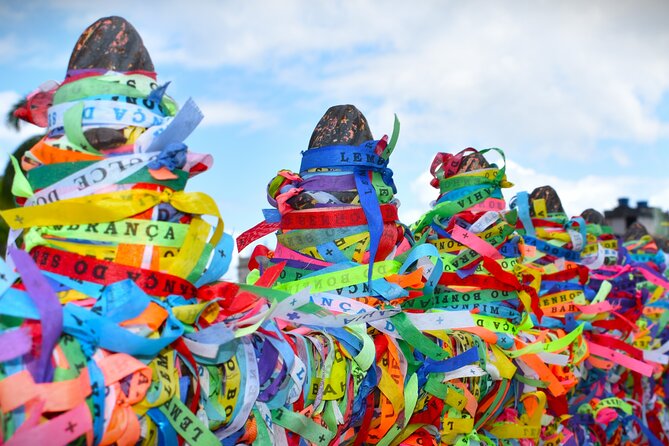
<point x="575" y="93"/>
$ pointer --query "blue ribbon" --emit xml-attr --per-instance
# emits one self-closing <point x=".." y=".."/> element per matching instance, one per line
<point x="179" y="128"/>
<point x="172" y="156"/>
<point x="157" y="94"/>
<point x="167" y="436"/>
<point x="425" y="250"/>
<point x="331" y="253"/>
<point x="16" y="303"/>
<point x="344" y="157"/>
<point x="220" y="261"/>
<point x="454" y="363"/>
<point x="64" y="283"/>
<point x="652" y="439"/>
<point x="271" y="215"/>
<point x="97" y="381"/>
<point x="94" y="329"/>
<point x="522" y="202"/>
<point x="553" y="250"/>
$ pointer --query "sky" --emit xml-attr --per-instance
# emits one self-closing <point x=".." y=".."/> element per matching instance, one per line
<point x="575" y="93"/>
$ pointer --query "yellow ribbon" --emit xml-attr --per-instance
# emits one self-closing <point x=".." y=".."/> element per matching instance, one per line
<point x="112" y="206"/>
<point x="191" y="250"/>
<point x="530" y="423"/>
<point x="165" y="382"/>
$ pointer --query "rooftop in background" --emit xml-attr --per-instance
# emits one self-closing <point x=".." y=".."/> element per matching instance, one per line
<point x="623" y="216"/>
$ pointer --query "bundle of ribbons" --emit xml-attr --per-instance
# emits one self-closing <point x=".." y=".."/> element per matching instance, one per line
<point x="503" y="317"/>
<point x="99" y="329"/>
<point x="477" y="324"/>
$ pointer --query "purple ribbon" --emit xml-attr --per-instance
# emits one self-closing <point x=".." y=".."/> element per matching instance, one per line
<point x="330" y="183"/>
<point x="49" y="310"/>
<point x="15" y="343"/>
<point x="266" y="362"/>
<point x="273" y="388"/>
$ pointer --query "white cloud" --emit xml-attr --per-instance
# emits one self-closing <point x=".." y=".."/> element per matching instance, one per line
<point x="208" y="33"/>
<point x="510" y="82"/>
<point x="227" y="112"/>
<point x="12" y="13"/>
<point x="549" y="79"/>
<point x="592" y="191"/>
<point x="9" y="47"/>
<point x="555" y="84"/>
<point x="620" y="157"/>
<point x="577" y="195"/>
<point x="422" y="195"/>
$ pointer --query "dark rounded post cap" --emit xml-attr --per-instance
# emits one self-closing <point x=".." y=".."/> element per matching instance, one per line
<point x="635" y="231"/>
<point x="110" y="43"/>
<point x="341" y="125"/>
<point x="592" y="216"/>
<point x="553" y="203"/>
<point x="472" y="162"/>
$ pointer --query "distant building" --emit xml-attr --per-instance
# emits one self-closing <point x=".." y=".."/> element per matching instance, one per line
<point x="621" y="217"/>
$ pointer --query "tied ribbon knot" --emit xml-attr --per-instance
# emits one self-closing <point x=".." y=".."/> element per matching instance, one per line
<point x="166" y="196"/>
<point x="172" y="157"/>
